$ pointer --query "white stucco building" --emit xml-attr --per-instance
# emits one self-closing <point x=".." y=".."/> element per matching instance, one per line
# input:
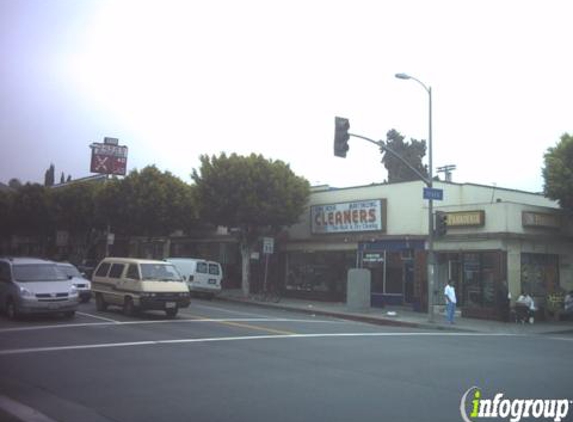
<point x="495" y="236"/>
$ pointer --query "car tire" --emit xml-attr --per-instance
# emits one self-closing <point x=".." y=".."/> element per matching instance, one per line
<point x="128" y="307"/>
<point x="11" y="310"/>
<point x="101" y="305"/>
<point x="69" y="314"/>
<point x="172" y="313"/>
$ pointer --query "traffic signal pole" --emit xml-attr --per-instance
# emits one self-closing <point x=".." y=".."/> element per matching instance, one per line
<point x="341" y="136"/>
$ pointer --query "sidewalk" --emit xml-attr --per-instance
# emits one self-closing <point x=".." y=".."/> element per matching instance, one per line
<point x="401" y="316"/>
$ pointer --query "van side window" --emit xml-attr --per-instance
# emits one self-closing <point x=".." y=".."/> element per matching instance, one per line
<point x="202" y="267"/>
<point x="132" y="272"/>
<point x="103" y="269"/>
<point x="116" y="270"/>
<point x="213" y="269"/>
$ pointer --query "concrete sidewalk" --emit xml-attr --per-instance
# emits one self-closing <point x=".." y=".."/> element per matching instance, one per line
<point x="401" y="316"/>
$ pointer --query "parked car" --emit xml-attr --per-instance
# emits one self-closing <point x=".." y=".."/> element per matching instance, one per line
<point x="203" y="277"/>
<point x="139" y="284"/>
<point x="82" y="284"/>
<point x="32" y="286"/>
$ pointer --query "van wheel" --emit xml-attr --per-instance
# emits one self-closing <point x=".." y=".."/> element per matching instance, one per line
<point x="11" y="311"/>
<point x="171" y="313"/>
<point x="69" y="314"/>
<point x="128" y="307"/>
<point x="101" y="305"/>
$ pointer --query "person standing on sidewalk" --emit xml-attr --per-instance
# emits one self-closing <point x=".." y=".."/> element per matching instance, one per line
<point x="450" y="295"/>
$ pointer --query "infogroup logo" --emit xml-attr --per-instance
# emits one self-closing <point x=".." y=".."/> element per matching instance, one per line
<point x="474" y="407"/>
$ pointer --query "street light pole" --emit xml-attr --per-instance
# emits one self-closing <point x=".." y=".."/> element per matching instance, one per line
<point x="431" y="255"/>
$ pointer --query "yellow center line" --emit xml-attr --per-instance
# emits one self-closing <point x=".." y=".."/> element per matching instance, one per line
<point x="243" y="325"/>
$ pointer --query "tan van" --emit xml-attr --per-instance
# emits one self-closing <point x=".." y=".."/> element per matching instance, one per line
<point x="139" y="284"/>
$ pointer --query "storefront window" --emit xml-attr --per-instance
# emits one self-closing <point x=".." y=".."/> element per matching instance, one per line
<point x="481" y="272"/>
<point x="472" y="285"/>
<point x="321" y="272"/>
<point x="539" y="274"/>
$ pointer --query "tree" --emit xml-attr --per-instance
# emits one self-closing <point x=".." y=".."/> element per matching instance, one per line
<point x="73" y="207"/>
<point x="31" y="212"/>
<point x="15" y="183"/>
<point x="146" y="202"/>
<point x="251" y="194"/>
<point x="49" y="176"/>
<point x="5" y="212"/>
<point x="413" y="152"/>
<point x="558" y="172"/>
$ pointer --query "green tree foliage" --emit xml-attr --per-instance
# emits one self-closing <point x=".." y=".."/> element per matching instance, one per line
<point x="73" y="207"/>
<point x="15" y="183"/>
<point x="413" y="152"/>
<point x="31" y="211"/>
<point x="5" y="212"/>
<point x="558" y="172"/>
<point x="146" y="202"/>
<point x="251" y="194"/>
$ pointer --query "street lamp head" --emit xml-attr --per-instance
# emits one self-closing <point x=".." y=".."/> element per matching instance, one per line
<point x="402" y="76"/>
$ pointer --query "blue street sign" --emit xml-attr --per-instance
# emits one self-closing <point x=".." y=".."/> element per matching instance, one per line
<point x="435" y="194"/>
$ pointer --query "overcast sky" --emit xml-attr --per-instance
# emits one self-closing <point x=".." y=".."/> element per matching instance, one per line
<point x="176" y="79"/>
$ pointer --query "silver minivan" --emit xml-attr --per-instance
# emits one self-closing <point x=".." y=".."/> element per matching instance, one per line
<point x="32" y="286"/>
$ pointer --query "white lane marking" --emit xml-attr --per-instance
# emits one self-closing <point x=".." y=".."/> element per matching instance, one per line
<point x="97" y="317"/>
<point x="22" y="412"/>
<point x="163" y="321"/>
<point x="560" y="338"/>
<point x="243" y="338"/>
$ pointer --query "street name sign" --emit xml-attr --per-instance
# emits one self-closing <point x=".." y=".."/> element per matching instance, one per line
<point x="435" y="194"/>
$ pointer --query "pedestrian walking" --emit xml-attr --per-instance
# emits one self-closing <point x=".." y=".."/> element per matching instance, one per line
<point x="450" y="295"/>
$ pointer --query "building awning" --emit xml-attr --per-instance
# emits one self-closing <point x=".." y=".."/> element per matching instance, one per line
<point x="391" y="245"/>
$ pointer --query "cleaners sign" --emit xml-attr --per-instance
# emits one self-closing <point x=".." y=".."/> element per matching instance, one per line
<point x="359" y="216"/>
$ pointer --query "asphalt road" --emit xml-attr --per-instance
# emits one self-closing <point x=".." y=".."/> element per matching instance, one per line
<point x="227" y="362"/>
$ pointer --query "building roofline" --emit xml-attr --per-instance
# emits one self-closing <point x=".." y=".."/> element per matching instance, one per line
<point x="326" y="187"/>
<point x="92" y="178"/>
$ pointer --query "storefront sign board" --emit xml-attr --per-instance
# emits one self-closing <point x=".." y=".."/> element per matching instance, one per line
<point x="542" y="220"/>
<point x="466" y="219"/>
<point x="348" y="217"/>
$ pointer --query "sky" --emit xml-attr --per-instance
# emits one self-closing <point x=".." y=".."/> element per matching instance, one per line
<point x="173" y="80"/>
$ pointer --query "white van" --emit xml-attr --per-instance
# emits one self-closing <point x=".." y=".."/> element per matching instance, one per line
<point x="202" y="276"/>
<point x="139" y="284"/>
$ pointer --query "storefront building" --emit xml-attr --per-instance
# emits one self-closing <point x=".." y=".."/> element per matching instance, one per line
<point x="499" y="241"/>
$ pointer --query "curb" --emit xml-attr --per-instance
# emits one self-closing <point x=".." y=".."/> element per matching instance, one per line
<point x="345" y="316"/>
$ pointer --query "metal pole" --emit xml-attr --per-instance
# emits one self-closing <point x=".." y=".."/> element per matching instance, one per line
<point x="431" y="256"/>
<point x="266" y="272"/>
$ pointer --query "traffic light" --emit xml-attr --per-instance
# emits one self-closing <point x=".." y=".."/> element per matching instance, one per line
<point x="441" y="223"/>
<point x="341" y="136"/>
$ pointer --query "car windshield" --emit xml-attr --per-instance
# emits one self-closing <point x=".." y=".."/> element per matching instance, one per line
<point x="70" y="270"/>
<point x="163" y="272"/>
<point x="38" y="272"/>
